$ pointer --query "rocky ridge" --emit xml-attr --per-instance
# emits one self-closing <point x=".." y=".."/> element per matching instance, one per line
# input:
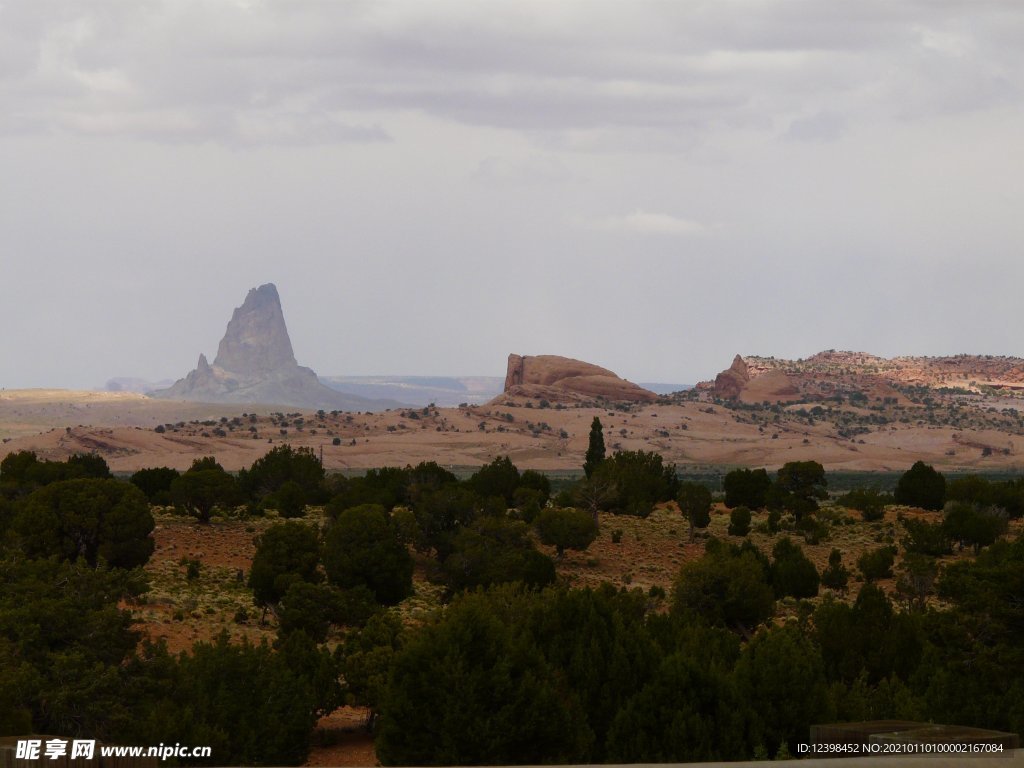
<point x="825" y="374"/>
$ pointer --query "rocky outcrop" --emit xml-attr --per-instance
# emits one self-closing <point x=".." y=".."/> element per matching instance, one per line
<point x="730" y="382"/>
<point x="834" y="373"/>
<point x="255" y="364"/>
<point x="774" y="386"/>
<point x="559" y="379"/>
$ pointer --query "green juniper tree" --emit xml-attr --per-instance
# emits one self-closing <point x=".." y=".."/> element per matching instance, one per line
<point x="694" y="502"/>
<point x="921" y="486"/>
<point x="566" y="528"/>
<point x="595" y="451"/>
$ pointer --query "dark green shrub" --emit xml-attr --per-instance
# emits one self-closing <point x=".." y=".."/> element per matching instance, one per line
<point x="836" y="576"/>
<point x="495" y="550"/>
<point x="726" y="587"/>
<point x="746" y="487"/>
<point x="970" y="525"/>
<point x="870" y="502"/>
<point x="192" y="568"/>
<point x="314" y="608"/>
<point x="926" y="538"/>
<point x="499" y="478"/>
<point x="155" y="482"/>
<point x="284" y="464"/>
<point x="89" y="519"/>
<point x="285" y="553"/>
<point x="290" y="500"/>
<point x="470" y="690"/>
<point x="877" y="564"/>
<point x="528" y="503"/>
<point x="739" y="521"/>
<point x="204" y="487"/>
<point x="792" y="574"/>
<point x="921" y="486"/>
<point x="364" y="548"/>
<point x="636" y="480"/>
<point x="566" y="528"/>
<point x="803" y="484"/>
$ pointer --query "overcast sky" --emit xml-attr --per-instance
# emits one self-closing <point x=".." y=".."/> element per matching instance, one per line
<point x="650" y="186"/>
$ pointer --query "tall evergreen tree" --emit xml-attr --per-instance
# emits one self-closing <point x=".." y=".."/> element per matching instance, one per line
<point x="694" y="502"/>
<point x="595" y="451"/>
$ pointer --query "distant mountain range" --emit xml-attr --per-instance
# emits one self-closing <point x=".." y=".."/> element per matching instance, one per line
<point x="135" y="384"/>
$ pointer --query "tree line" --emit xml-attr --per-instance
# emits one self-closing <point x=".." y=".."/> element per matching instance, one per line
<point x="516" y="667"/>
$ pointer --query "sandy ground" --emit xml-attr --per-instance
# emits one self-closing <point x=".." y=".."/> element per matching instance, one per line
<point x="121" y="427"/>
<point x="341" y="738"/>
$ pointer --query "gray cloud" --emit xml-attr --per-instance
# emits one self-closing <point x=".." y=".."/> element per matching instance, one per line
<point x="432" y="185"/>
<point x="203" y="69"/>
<point x="647" y="223"/>
<point x="821" y="126"/>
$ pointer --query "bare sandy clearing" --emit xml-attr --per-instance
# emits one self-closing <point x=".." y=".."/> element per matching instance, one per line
<point x="31" y="411"/>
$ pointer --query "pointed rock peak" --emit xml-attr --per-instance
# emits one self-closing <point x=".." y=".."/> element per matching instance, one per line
<point x="730" y="382"/>
<point x="255" y="364"/>
<point x="265" y="294"/>
<point x="256" y="340"/>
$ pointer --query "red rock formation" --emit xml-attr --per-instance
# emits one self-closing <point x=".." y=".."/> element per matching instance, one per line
<point x="830" y="373"/>
<point x="773" y="386"/>
<point x="559" y="378"/>
<point x="730" y="382"/>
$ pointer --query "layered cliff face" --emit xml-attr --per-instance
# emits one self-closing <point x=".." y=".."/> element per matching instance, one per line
<point x="255" y="364"/>
<point x="561" y="379"/>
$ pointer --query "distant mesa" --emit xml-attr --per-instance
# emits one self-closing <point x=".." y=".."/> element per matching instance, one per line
<point x="134" y="384"/>
<point x="255" y="364"/>
<point x="442" y="391"/>
<point x="835" y="373"/>
<point x="562" y="379"/>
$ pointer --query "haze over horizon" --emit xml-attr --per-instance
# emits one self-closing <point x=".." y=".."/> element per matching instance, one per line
<point x="649" y="187"/>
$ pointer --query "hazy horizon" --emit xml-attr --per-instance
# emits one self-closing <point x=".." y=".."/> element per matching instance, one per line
<point x="650" y="187"/>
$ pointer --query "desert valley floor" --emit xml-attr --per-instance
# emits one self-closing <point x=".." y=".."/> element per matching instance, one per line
<point x="133" y="431"/>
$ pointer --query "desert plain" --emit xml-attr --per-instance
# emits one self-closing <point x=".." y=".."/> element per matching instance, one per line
<point x="974" y="432"/>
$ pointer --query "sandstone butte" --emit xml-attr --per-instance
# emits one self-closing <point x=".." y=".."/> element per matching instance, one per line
<point x="562" y="379"/>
